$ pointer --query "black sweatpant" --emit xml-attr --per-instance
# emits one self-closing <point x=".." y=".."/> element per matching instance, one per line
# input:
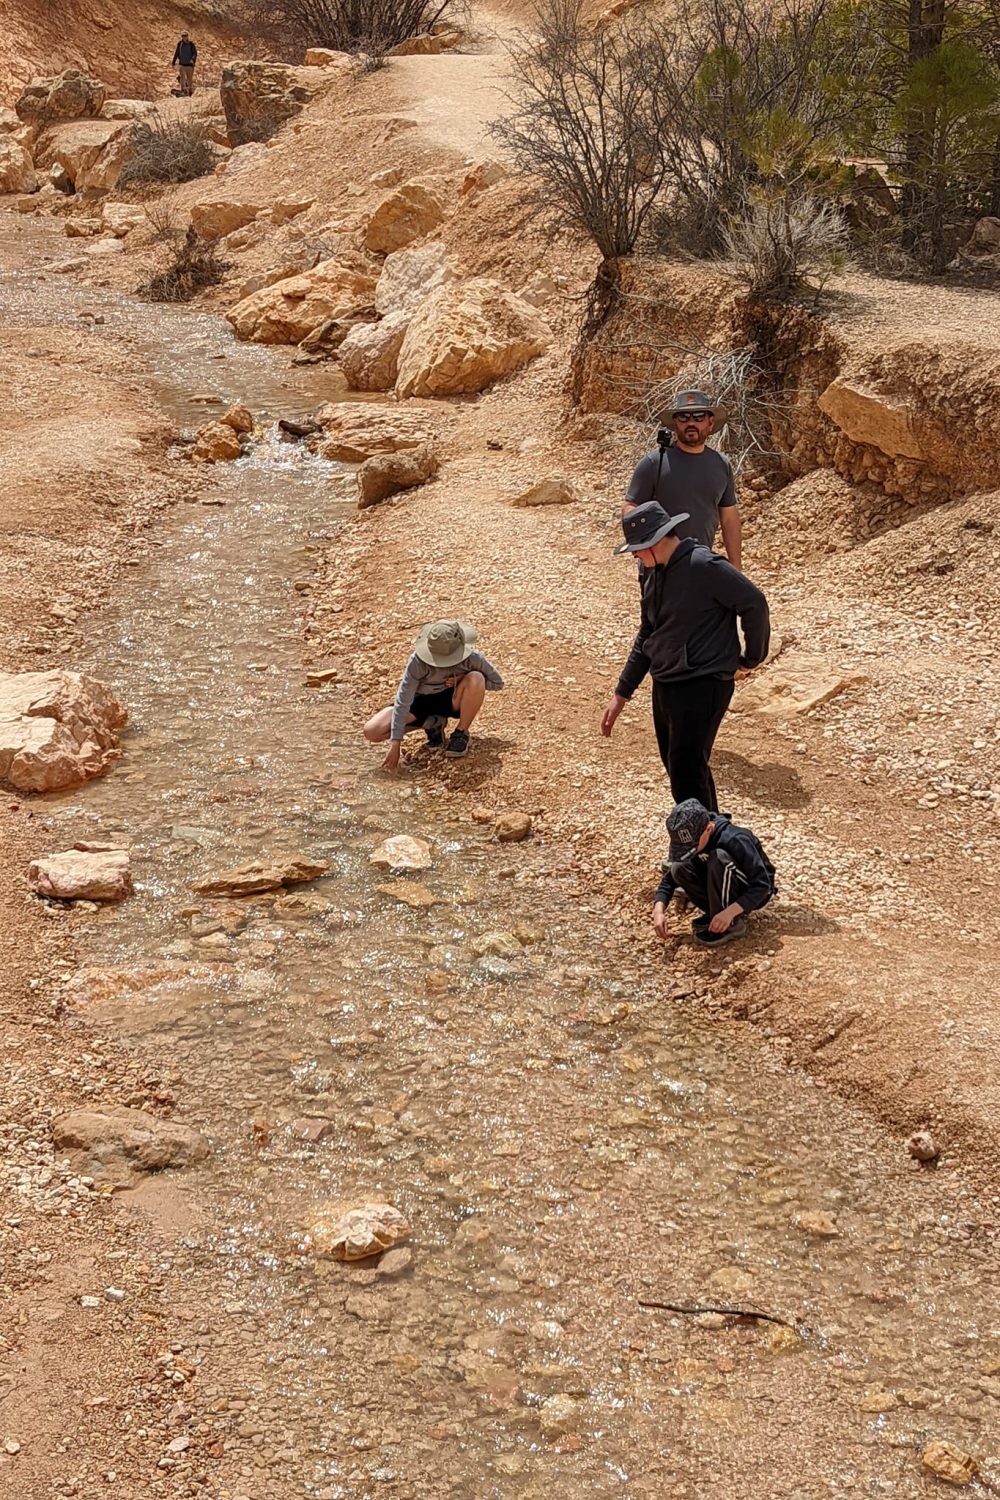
<point x="711" y="884"/>
<point x="686" y="717"/>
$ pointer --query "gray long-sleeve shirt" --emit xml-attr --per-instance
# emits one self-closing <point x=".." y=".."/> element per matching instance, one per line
<point x="419" y="677"/>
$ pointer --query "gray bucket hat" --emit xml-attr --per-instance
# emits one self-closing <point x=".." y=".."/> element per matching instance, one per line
<point x="697" y="401"/>
<point x="445" y="643"/>
<point x="645" y="525"/>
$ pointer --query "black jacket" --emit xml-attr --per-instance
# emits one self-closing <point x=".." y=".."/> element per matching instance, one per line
<point x="746" y="852"/>
<point x="690" y="606"/>
<point x="185" y="54"/>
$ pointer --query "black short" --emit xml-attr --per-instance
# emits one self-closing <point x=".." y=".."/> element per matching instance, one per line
<point x="428" y="705"/>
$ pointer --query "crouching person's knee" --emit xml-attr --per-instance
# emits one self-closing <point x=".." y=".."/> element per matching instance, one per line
<point x="375" y="731"/>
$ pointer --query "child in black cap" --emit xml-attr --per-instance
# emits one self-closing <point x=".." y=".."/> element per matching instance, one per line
<point x="722" y="869"/>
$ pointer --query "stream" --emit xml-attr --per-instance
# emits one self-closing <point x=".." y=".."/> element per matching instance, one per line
<point x="565" y="1134"/>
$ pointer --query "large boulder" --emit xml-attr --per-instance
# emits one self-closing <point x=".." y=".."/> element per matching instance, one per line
<point x="462" y="338"/>
<point x="354" y="430"/>
<point x="128" y="109"/>
<point x="388" y="473"/>
<point x="90" y="152"/>
<point x="9" y="123"/>
<point x="410" y="275"/>
<point x="215" y="217"/>
<point x="71" y="95"/>
<point x="57" y="729"/>
<point x="867" y="416"/>
<point x="369" y="355"/>
<point x="215" y="443"/>
<point x="258" y="97"/>
<point x="122" y="218"/>
<point x="17" y="174"/>
<point x="288" y="311"/>
<point x="407" y="213"/>
<point x="82" y="875"/>
<point x="326" y="57"/>
<point x="117" y="1146"/>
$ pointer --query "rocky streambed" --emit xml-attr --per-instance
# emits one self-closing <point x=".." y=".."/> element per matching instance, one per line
<point x="563" y="1138"/>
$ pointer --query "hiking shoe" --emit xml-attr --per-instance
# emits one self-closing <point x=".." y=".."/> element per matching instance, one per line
<point x="713" y="939"/>
<point x="434" y="730"/>
<point x="458" y="744"/>
<point x="699" y="924"/>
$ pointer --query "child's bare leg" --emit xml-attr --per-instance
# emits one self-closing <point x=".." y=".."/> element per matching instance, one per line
<point x="377" y="730"/>
<point x="468" y="697"/>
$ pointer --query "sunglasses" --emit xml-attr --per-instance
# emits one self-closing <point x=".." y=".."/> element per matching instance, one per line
<point x="692" y="416"/>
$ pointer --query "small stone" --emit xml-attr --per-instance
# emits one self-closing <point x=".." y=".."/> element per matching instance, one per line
<point x="114" y="1294"/>
<point x="513" y="828"/>
<point x="395" y="1262"/>
<point x="179" y="1444"/>
<point x="239" y="418"/>
<point x="821" y="1225"/>
<point x="77" y="875"/>
<point x="321" y="677"/>
<point x="558" y="1415"/>
<point x="11" y="1446"/>
<point x="359" y="1233"/>
<point x="949" y="1463"/>
<point x="400" y="852"/>
<point x="482" y="815"/>
<point x="312" y="1128"/>
<point x="497" y="944"/>
<point x="878" y="1401"/>
<point x="922" y="1146"/>
<point x="90" y="1302"/>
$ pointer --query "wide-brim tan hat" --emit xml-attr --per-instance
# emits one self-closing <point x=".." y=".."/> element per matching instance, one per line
<point x="445" y="643"/>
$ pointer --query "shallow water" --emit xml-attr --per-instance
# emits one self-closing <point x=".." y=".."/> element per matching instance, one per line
<point x="564" y="1133"/>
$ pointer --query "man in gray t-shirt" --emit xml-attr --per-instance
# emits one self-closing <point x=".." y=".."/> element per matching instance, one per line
<point x="688" y="476"/>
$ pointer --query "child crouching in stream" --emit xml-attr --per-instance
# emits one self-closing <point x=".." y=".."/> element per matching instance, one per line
<point x="722" y="870"/>
<point x="444" y="679"/>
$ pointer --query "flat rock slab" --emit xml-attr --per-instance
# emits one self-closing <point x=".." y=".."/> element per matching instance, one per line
<point x="257" y="876"/>
<point x="403" y="853"/>
<point x="119" y="1146"/>
<point x="410" y="893"/>
<point x="78" y="875"/>
<point x="794" y="684"/>
<point x="57" y="729"/>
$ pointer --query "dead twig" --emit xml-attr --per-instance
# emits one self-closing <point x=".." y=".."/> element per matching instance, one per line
<point x="694" y="1309"/>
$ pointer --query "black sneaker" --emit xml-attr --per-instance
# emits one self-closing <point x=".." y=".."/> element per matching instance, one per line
<point x="434" y="730"/>
<point x="737" y="929"/>
<point x="458" y="744"/>
<point x="698" y="924"/>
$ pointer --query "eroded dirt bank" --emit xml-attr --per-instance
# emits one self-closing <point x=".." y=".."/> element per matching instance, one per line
<point x="515" y="1066"/>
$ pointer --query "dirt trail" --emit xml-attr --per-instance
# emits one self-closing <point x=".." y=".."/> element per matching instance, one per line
<point x="455" y="96"/>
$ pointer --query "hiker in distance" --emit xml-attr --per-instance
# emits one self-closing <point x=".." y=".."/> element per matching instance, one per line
<point x="444" y="679"/>
<point x="722" y="870"/>
<point x="688" y="476"/>
<point x="688" y="639"/>
<point x="184" y="58"/>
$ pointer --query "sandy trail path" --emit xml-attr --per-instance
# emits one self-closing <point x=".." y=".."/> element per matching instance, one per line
<point x="455" y="96"/>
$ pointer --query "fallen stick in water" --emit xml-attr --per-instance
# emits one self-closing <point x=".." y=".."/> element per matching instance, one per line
<point x="693" y="1309"/>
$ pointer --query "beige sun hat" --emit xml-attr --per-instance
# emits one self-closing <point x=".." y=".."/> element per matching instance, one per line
<point x="445" y="643"/>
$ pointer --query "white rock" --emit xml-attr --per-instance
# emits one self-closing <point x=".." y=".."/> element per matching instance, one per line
<point x="410" y="275"/>
<point x="77" y="876"/>
<point x="400" y="852"/>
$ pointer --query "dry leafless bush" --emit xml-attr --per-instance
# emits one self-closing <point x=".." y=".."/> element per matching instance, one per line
<point x="783" y="241"/>
<point x="167" y="151"/>
<point x="366" y="27"/>
<point x="163" y="219"/>
<point x="194" y="267"/>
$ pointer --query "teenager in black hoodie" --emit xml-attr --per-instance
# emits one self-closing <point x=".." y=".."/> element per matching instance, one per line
<point x="722" y="870"/>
